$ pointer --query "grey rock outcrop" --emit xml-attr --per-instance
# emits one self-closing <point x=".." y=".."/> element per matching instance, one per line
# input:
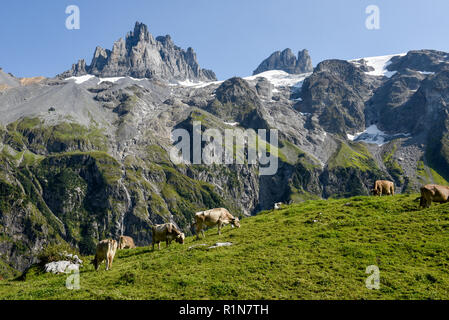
<point x="140" y="55"/>
<point x="78" y="69"/>
<point x="287" y="62"/>
<point x="236" y="101"/>
<point x="336" y="93"/>
<point x="421" y="60"/>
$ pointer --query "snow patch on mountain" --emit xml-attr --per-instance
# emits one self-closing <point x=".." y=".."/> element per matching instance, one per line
<point x="196" y="84"/>
<point x="374" y="135"/>
<point x="379" y="64"/>
<point x="426" y="72"/>
<point x="87" y="77"/>
<point x="136" y="79"/>
<point x="113" y="79"/>
<point x="281" y="78"/>
<point x="232" y="124"/>
<point x="278" y="78"/>
<point x="81" y="79"/>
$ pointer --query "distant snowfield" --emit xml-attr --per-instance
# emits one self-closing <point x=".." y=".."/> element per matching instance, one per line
<point x="373" y="135"/>
<point x="81" y="79"/>
<point x="87" y="77"/>
<point x="233" y="124"/>
<point x="198" y="84"/>
<point x="186" y="83"/>
<point x="113" y="79"/>
<point x="281" y="78"/>
<point x="379" y="64"/>
<point x="278" y="78"/>
<point x="426" y="72"/>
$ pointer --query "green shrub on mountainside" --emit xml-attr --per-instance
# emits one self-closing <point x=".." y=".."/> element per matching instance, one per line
<point x="393" y="167"/>
<point x="427" y="175"/>
<point x="42" y="138"/>
<point x="353" y="155"/>
<point x="437" y="150"/>
<point x="6" y="272"/>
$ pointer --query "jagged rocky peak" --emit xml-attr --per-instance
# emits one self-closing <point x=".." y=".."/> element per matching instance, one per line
<point x="140" y="55"/>
<point x="79" y="68"/>
<point x="304" y="61"/>
<point x="287" y="62"/>
<point x="140" y="34"/>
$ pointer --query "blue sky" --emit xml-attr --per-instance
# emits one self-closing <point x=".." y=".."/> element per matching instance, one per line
<point x="229" y="36"/>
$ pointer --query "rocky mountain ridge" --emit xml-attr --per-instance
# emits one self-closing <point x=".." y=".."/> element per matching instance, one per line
<point x="286" y="61"/>
<point x="140" y="55"/>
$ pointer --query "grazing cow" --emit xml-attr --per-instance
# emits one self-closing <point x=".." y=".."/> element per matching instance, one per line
<point x="106" y="250"/>
<point x="435" y="193"/>
<point x="166" y="232"/>
<point x="214" y="217"/>
<point x="126" y="243"/>
<point x="383" y="187"/>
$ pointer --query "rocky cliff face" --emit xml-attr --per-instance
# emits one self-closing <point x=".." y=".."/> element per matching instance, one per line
<point x="140" y="55"/>
<point x="84" y="159"/>
<point x="420" y="60"/>
<point x="286" y="61"/>
<point x="336" y="93"/>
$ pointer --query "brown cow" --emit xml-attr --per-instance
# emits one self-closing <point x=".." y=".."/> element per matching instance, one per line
<point x="435" y="193"/>
<point x="383" y="187"/>
<point x="126" y="243"/>
<point x="106" y="250"/>
<point x="214" y="217"/>
<point x="166" y="232"/>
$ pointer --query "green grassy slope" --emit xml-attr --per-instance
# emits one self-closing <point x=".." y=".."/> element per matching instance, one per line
<point x="315" y="250"/>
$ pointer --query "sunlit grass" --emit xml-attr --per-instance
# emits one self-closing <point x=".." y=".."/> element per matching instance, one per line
<point x="314" y="250"/>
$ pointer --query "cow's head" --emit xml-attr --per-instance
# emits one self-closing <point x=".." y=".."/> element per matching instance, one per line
<point x="180" y="238"/>
<point x="375" y="192"/>
<point x="235" y="222"/>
